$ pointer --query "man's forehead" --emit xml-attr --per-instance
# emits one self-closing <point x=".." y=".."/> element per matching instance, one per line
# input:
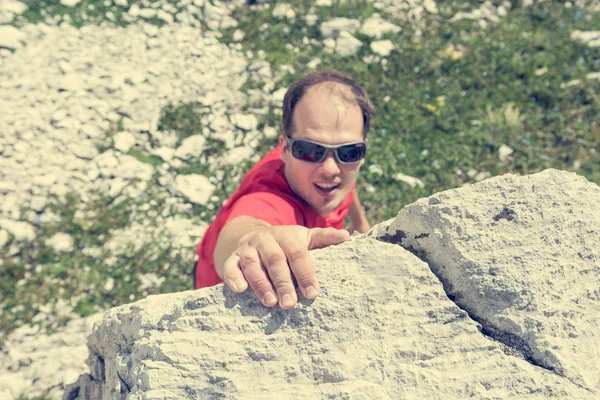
<point x="335" y="90"/>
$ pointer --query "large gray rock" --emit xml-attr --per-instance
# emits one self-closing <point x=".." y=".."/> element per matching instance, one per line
<point x="383" y="326"/>
<point x="522" y="256"/>
<point x="519" y="255"/>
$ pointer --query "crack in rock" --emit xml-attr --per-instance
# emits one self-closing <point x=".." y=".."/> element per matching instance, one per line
<point x="511" y="344"/>
<point x="531" y="284"/>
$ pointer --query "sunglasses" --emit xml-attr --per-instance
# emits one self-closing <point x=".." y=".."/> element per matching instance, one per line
<point x="307" y="150"/>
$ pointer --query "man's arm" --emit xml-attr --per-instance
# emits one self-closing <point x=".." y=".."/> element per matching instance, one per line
<point x="358" y="219"/>
<point x="251" y="252"/>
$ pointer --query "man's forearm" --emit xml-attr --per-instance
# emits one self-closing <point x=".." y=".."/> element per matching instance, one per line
<point x="358" y="219"/>
<point x="232" y="236"/>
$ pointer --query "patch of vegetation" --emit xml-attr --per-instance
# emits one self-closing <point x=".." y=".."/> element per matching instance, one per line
<point x="185" y="119"/>
<point x="37" y="279"/>
<point x="449" y="97"/>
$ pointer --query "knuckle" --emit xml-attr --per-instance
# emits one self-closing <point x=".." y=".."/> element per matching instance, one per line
<point x="274" y="257"/>
<point x="281" y="283"/>
<point x="247" y="261"/>
<point x="261" y="286"/>
<point x="305" y="277"/>
<point x="297" y="255"/>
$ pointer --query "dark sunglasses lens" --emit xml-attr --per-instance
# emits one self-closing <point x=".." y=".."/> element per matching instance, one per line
<point x="307" y="151"/>
<point x="352" y="152"/>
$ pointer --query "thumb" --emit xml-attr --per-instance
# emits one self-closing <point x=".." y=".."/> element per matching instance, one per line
<point x="323" y="237"/>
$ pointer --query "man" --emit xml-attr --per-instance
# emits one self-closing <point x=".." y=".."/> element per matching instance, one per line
<point x="296" y="198"/>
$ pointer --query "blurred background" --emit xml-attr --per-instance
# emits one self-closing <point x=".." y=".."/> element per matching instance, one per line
<point x="126" y="124"/>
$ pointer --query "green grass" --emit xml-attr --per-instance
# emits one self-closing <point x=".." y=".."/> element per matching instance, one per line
<point x="454" y="108"/>
<point x="438" y="112"/>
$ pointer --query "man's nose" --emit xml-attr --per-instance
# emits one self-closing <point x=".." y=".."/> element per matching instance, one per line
<point x="329" y="165"/>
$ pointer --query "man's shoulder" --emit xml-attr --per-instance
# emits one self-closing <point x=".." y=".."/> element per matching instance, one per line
<point x="268" y="171"/>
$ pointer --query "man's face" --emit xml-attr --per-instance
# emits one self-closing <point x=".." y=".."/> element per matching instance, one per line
<point x="323" y="117"/>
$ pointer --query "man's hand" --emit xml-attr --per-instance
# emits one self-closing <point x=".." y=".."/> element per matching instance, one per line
<point x="269" y="257"/>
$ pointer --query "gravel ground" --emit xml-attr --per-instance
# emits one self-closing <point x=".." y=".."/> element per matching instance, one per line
<point x="81" y="117"/>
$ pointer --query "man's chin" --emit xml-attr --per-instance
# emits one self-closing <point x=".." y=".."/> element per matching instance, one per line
<point x="328" y="208"/>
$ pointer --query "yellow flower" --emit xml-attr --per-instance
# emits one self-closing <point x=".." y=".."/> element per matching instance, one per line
<point x="430" y="107"/>
<point x="441" y="100"/>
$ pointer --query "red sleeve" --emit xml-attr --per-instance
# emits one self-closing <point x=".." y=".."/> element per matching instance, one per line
<point x="268" y="207"/>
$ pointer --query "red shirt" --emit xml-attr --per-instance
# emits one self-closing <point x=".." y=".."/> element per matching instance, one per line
<point x="263" y="194"/>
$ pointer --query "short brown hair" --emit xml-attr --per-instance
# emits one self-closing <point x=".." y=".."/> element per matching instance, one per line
<point x="300" y="87"/>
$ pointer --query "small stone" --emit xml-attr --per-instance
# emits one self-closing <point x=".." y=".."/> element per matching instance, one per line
<point x="150" y="30"/>
<point x="134" y="10"/>
<point x="382" y="48"/>
<point x="3" y="237"/>
<point x="148" y="13"/>
<point x="314" y="63"/>
<point x="311" y="19"/>
<point x="191" y="146"/>
<point x="593" y="75"/>
<point x="238" y="35"/>
<point x="131" y="168"/>
<point x="482" y="175"/>
<point x="375" y="169"/>
<point x="14" y="7"/>
<point x="412" y="181"/>
<point x="69" y="3"/>
<point x="165" y="16"/>
<point x="277" y="96"/>
<point x="376" y="27"/>
<point x="109" y="285"/>
<point x="20" y="230"/>
<point x="61" y="242"/>
<point x="591" y="38"/>
<point x="123" y="141"/>
<point x="11" y="37"/>
<point x="166" y="153"/>
<point x="238" y="154"/>
<point x="503" y="152"/>
<point x="430" y="6"/>
<point x="347" y="45"/>
<point x="270" y="132"/>
<point x="38" y="203"/>
<point x="284" y="10"/>
<point x="335" y="26"/>
<point x="196" y="188"/>
<point x="247" y="122"/>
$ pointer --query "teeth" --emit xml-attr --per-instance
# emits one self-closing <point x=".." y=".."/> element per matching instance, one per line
<point x="327" y="185"/>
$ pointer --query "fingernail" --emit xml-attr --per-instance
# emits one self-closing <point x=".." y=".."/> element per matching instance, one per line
<point x="287" y="301"/>
<point x="311" y="292"/>
<point x="241" y="284"/>
<point x="232" y="285"/>
<point x="269" y="299"/>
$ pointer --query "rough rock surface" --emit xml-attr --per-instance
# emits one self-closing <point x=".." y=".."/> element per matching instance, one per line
<point x="519" y="254"/>
<point x="522" y="256"/>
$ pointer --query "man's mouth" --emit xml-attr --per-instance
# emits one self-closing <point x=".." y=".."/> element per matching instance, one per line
<point x="326" y="188"/>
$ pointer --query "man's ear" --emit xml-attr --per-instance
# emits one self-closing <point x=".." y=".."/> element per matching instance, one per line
<point x="283" y="144"/>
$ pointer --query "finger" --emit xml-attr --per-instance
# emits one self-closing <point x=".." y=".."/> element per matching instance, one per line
<point x="274" y="259"/>
<point x="323" y="237"/>
<point x="232" y="274"/>
<point x="300" y="264"/>
<point x="257" y="276"/>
